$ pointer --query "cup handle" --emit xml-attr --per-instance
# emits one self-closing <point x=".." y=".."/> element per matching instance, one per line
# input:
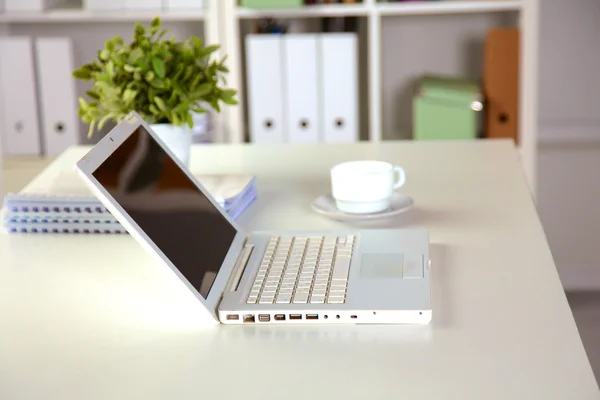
<point x="401" y="177"/>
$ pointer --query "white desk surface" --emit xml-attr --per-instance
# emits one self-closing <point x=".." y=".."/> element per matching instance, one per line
<point x="93" y="317"/>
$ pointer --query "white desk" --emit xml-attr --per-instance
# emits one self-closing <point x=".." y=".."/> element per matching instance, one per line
<point x="92" y="317"/>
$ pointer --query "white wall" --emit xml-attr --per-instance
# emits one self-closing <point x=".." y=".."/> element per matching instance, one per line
<point x="569" y="138"/>
<point x="569" y="205"/>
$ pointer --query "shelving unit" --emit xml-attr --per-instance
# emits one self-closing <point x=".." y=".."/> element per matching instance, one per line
<point x="222" y="21"/>
<point x="384" y="9"/>
<point x="377" y="14"/>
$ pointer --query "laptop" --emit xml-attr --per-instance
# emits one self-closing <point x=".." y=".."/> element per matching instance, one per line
<point x="352" y="277"/>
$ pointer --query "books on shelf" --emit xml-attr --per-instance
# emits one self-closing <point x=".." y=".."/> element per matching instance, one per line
<point x="65" y="205"/>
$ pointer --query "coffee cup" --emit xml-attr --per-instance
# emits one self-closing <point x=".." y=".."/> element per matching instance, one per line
<point x="365" y="187"/>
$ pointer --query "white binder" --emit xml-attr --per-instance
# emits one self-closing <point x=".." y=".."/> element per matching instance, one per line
<point x="265" y="88"/>
<point x="302" y="87"/>
<point x="184" y="4"/>
<point x="104" y="5"/>
<point x="20" y="126"/>
<point x="58" y="101"/>
<point x="33" y="5"/>
<point x="339" y="77"/>
<point x="143" y="4"/>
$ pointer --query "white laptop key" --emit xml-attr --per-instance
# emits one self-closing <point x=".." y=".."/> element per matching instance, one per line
<point x="301" y="298"/>
<point x="284" y="299"/>
<point x="341" y="268"/>
<point x="236" y="275"/>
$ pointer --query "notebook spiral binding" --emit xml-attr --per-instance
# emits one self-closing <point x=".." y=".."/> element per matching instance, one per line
<point x="110" y="228"/>
<point x="41" y="204"/>
<point x="58" y="214"/>
<point x="59" y="219"/>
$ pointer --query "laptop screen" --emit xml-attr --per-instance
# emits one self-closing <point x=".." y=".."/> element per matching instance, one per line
<point x="168" y="207"/>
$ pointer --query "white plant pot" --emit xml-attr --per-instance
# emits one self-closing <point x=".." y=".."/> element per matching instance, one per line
<point x="177" y="138"/>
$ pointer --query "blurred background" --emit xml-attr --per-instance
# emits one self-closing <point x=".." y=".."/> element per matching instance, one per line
<point x="326" y="71"/>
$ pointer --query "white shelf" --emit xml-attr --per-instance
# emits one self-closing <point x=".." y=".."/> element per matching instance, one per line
<point x="77" y="15"/>
<point x="448" y="7"/>
<point x="384" y="9"/>
<point x="315" y="11"/>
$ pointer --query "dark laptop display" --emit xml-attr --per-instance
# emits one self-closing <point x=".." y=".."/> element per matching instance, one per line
<point x="168" y="207"/>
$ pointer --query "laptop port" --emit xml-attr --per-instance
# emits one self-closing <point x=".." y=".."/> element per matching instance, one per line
<point x="279" y="317"/>
<point x="353" y="316"/>
<point x="249" y="318"/>
<point x="233" y="317"/>
<point x="295" y="316"/>
<point x="312" y="316"/>
<point x="264" y="317"/>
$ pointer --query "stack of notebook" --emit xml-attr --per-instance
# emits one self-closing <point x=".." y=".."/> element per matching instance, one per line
<point x="65" y="205"/>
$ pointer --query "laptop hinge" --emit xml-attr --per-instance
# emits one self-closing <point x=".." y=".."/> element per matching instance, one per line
<point x="240" y="267"/>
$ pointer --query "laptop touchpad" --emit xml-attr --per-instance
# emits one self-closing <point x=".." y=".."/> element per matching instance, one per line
<point x="381" y="266"/>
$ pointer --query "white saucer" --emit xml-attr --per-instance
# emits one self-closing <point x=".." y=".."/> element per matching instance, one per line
<point x="326" y="205"/>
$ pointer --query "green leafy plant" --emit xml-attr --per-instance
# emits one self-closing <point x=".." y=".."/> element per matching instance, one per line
<point x="163" y="80"/>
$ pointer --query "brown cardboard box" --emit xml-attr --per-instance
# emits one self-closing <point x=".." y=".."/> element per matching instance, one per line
<point x="501" y="83"/>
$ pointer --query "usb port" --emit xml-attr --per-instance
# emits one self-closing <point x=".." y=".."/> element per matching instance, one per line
<point x="233" y="317"/>
<point x="312" y="316"/>
<point x="264" y="317"/>
<point x="249" y="318"/>
<point x="295" y="316"/>
<point x="279" y="317"/>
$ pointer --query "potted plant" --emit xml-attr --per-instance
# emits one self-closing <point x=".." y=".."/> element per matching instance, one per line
<point x="164" y="80"/>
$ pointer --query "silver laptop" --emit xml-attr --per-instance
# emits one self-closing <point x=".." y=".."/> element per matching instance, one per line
<point x="362" y="276"/>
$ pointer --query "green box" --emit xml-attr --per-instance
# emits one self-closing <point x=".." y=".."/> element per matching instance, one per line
<point x="267" y="4"/>
<point x="446" y="108"/>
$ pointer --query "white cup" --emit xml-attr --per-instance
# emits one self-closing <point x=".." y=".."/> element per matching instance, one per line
<point x="365" y="187"/>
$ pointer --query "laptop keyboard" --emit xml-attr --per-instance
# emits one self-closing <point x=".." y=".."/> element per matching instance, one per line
<point x="301" y="270"/>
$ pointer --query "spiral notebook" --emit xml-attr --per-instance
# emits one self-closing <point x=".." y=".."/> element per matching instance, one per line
<point x="65" y="205"/>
